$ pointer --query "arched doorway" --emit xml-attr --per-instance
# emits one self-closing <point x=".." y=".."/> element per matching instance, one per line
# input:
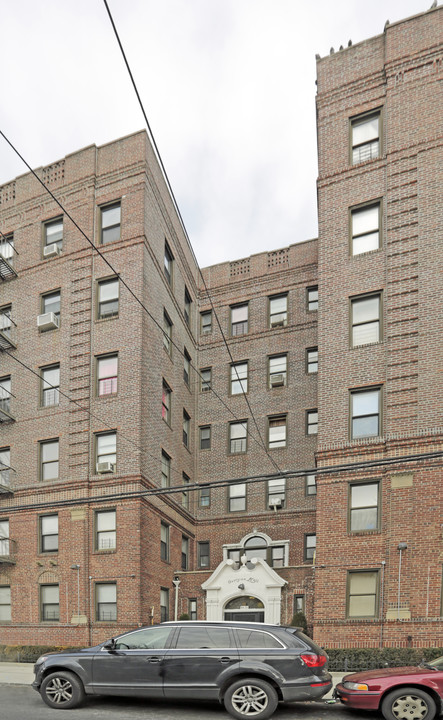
<point x="245" y="608"/>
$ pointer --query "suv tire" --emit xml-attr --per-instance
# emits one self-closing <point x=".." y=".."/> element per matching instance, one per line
<point x="62" y="690"/>
<point x="250" y="699"/>
<point x="408" y="702"/>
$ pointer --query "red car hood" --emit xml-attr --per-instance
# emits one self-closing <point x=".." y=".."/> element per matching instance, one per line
<point x="366" y="675"/>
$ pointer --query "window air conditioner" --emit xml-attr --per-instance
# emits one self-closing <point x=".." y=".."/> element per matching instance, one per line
<point x="276" y="502"/>
<point x="47" y="321"/>
<point x="277" y="379"/>
<point x="278" y="323"/>
<point x="51" y="250"/>
<point x="105" y="467"/>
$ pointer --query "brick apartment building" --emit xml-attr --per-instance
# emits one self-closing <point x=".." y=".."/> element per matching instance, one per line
<point x="109" y="395"/>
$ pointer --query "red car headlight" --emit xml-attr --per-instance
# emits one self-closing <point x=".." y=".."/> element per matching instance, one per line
<point x="355" y="686"/>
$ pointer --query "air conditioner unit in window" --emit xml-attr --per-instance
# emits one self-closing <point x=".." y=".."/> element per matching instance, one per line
<point x="278" y="323"/>
<point x="51" y="250"/>
<point x="276" y="502"/>
<point x="277" y="379"/>
<point x="48" y="321"/>
<point x="105" y="467"/>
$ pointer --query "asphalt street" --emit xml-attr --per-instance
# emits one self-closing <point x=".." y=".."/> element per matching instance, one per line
<point x="19" y="701"/>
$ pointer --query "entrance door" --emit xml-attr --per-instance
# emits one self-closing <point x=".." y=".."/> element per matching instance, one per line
<point x="257" y="616"/>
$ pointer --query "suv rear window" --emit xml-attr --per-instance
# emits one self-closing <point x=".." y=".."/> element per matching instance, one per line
<point x="204" y="637"/>
<point x="257" y="639"/>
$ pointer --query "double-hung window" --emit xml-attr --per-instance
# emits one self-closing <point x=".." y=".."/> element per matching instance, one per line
<point x="166" y="402"/>
<point x="310" y="545"/>
<point x="50" y="384"/>
<point x="167" y="333"/>
<point x="278" y="311"/>
<point x="365" y="228"/>
<point x="185" y="553"/>
<point x="205" y="437"/>
<point x="239" y="319"/>
<point x="205" y="496"/>
<point x="312" y="360"/>
<point x="206" y="322"/>
<point x="312" y="298"/>
<point x="5" y="603"/>
<point x="51" y="304"/>
<point x="5" y="394"/>
<point x="5" y="544"/>
<point x="186" y="366"/>
<point x="107" y="367"/>
<point x="185" y="494"/>
<point x="312" y="422"/>
<point x="53" y="233"/>
<point x="49" y="603"/>
<point x="364" y="506"/>
<point x="239" y="378"/>
<point x="362" y="600"/>
<point x="168" y="260"/>
<point x="6" y="320"/>
<point x="237" y="437"/>
<point x="205" y="379"/>
<point x="203" y="554"/>
<point x="186" y="429"/>
<point x="166" y="470"/>
<point x="5" y="467"/>
<point x="106" y="602"/>
<point x="278" y="370"/>
<point x="277" y="432"/>
<point x="365" y="320"/>
<point x="365" y="137"/>
<point x="110" y="223"/>
<point x="276" y="493"/>
<point x="237" y="497"/>
<point x="106" y="451"/>
<point x="48" y="533"/>
<point x="187" y="307"/>
<point x="311" y="485"/>
<point x="105" y="529"/>
<point x="365" y="413"/>
<point x="164" y="542"/>
<point x="164" y="605"/>
<point x="49" y="459"/>
<point x="108" y="298"/>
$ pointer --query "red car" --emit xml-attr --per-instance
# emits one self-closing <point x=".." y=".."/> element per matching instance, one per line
<point x="407" y="693"/>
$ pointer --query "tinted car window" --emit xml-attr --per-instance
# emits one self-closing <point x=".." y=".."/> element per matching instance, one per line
<point x="151" y="638"/>
<point x="204" y="637"/>
<point x="256" y="639"/>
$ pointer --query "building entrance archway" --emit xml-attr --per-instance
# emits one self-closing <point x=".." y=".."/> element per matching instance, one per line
<point x="245" y="608"/>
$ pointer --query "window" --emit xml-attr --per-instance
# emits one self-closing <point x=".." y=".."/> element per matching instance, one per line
<point x="299" y="604"/>
<point x="237" y="497"/>
<point x="105" y="530"/>
<point x="278" y="370"/>
<point x="166" y="469"/>
<point x="278" y="311"/>
<point x="108" y="293"/>
<point x="365" y="413"/>
<point x="311" y="360"/>
<point x="5" y="394"/>
<point x="277" y="432"/>
<point x="167" y="333"/>
<point x="166" y="402"/>
<point x="187" y="307"/>
<point x="185" y="493"/>
<point x="106" y="450"/>
<point x="164" y="605"/>
<point x="310" y="544"/>
<point x="258" y="546"/>
<point x="365" y="227"/>
<point x="5" y="603"/>
<point x="152" y="638"/>
<point x="186" y="366"/>
<point x="239" y="320"/>
<point x="110" y="223"/>
<point x="239" y="378"/>
<point x="168" y="263"/>
<point x="186" y="429"/>
<point x="205" y="379"/>
<point x="51" y="303"/>
<point x="6" y="320"/>
<point x="363" y="500"/>
<point x="49" y="602"/>
<point x="277" y="556"/>
<point x="185" y="553"/>
<point x="365" y="320"/>
<point x="53" y="233"/>
<point x="49" y="533"/>
<point x="312" y="298"/>
<point x="4" y="538"/>
<point x="5" y="467"/>
<point x="311" y="485"/>
<point x="7" y="248"/>
<point x="205" y="496"/>
<point x="106" y="602"/>
<point x="206" y="322"/>
<point x="205" y="437"/>
<point x="276" y="493"/>
<point x="50" y="384"/>
<point x="237" y="437"/>
<point x="203" y="554"/>
<point x="164" y="542"/>
<point x="365" y="137"/>
<point x="207" y="637"/>
<point x="49" y="455"/>
<point x="312" y="422"/>
<point x="192" y="608"/>
<point x="107" y="367"/>
<point x="362" y="600"/>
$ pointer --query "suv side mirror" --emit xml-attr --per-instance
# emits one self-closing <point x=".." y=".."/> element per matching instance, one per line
<point x="109" y="645"/>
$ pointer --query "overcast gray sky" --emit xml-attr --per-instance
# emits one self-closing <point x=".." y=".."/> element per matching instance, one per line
<point x="228" y="87"/>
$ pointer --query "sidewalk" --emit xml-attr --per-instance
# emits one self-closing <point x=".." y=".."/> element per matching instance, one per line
<point x="22" y="674"/>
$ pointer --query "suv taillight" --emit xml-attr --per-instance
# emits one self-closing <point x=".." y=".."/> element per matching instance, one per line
<point x="313" y="660"/>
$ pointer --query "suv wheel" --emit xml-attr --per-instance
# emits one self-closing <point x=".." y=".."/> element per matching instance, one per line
<point x="250" y="698"/>
<point x="62" y="690"/>
<point x="408" y="703"/>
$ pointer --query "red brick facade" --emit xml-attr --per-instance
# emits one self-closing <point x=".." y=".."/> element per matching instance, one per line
<point x="119" y="545"/>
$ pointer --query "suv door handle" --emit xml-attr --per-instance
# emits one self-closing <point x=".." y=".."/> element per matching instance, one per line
<point x="153" y="659"/>
<point x="225" y="660"/>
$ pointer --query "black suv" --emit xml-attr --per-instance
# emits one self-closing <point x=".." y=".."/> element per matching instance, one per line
<point x="249" y="667"/>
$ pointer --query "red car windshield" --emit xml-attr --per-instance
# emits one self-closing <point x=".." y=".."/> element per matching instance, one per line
<point x="437" y="663"/>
